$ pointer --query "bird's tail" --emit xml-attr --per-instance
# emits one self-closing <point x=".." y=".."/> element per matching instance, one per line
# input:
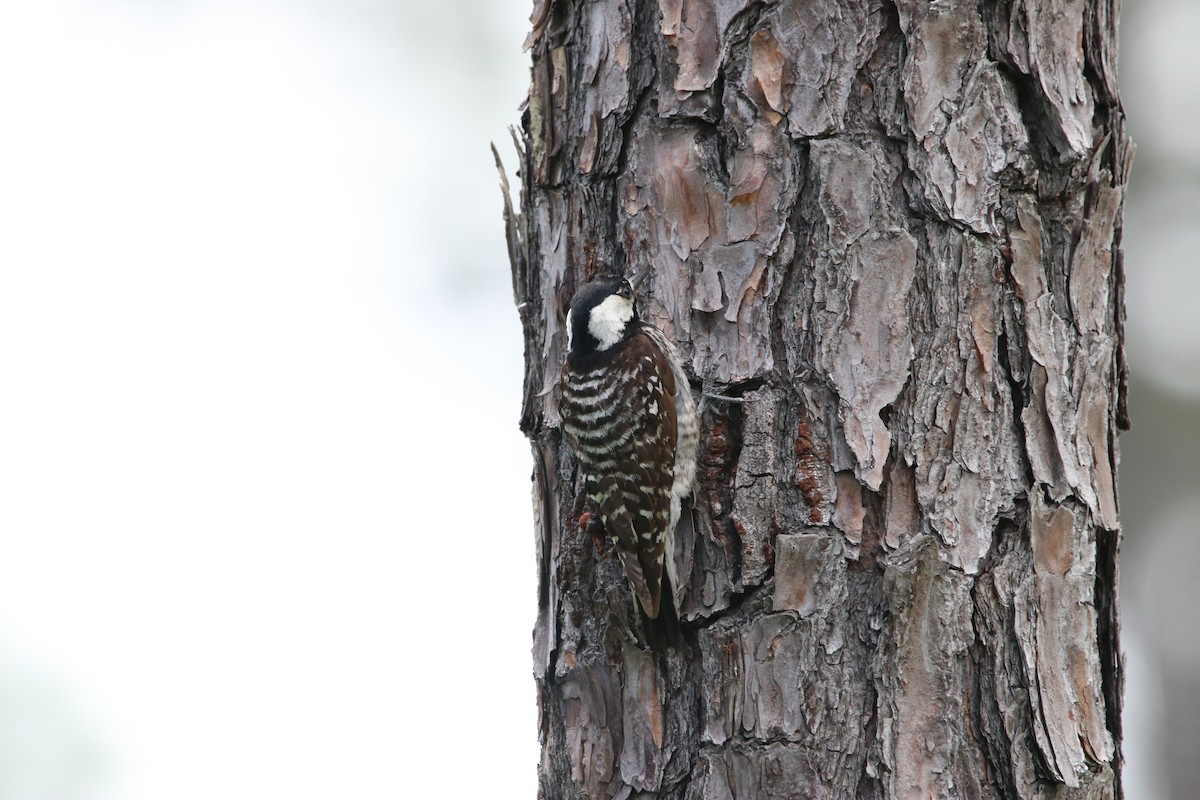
<point x="664" y="632"/>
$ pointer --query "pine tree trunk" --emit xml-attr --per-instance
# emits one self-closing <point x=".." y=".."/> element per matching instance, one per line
<point x="894" y="230"/>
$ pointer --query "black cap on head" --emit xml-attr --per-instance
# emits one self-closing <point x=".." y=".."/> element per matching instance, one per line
<point x="583" y="340"/>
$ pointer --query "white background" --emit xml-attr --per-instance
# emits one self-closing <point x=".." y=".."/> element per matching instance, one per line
<point x="256" y="341"/>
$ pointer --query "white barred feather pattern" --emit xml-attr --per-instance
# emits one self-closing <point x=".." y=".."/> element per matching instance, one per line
<point x="628" y="415"/>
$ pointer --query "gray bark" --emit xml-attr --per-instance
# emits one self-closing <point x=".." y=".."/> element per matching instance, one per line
<point x="894" y="229"/>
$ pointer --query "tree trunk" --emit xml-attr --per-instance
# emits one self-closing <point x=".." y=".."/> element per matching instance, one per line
<point x="893" y="229"/>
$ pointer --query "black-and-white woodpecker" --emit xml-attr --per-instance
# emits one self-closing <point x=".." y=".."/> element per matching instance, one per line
<point x="628" y="414"/>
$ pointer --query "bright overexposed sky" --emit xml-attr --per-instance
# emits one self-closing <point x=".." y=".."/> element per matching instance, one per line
<point x="264" y="509"/>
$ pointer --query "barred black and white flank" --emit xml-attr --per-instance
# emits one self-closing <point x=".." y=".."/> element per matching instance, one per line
<point x="628" y="414"/>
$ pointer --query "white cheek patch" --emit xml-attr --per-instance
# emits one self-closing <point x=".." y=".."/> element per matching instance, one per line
<point x="568" y="329"/>
<point x="608" y="320"/>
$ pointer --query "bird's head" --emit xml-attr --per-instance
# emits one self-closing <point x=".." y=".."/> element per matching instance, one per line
<point x="601" y="316"/>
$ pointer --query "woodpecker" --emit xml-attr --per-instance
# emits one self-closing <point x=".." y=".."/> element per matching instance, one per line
<point x="628" y="414"/>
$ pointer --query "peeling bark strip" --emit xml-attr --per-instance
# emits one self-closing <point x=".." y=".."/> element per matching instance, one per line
<point x="893" y="228"/>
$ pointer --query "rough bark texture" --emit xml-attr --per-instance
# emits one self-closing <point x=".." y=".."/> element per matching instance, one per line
<point x="894" y="229"/>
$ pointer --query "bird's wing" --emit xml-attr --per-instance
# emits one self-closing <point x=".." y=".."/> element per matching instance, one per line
<point x="635" y="501"/>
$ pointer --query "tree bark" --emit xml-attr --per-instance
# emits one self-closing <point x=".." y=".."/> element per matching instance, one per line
<point x="893" y="229"/>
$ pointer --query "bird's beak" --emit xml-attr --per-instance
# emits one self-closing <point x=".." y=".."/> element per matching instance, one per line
<point x="638" y="279"/>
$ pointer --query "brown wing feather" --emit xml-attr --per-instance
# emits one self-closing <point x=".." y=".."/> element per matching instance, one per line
<point x="630" y="483"/>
